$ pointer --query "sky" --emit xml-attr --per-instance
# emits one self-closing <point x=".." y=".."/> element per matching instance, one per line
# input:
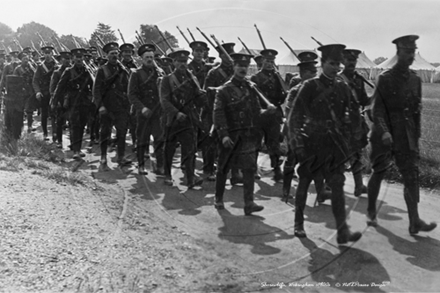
<point x="366" y="25"/>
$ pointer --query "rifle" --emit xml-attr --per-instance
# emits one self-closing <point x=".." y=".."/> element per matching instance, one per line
<point x="290" y="48"/>
<point x="41" y="38"/>
<point x="192" y="37"/>
<point x="318" y="42"/>
<point x="122" y="37"/>
<point x="222" y="49"/>
<point x="183" y="35"/>
<point x="277" y="73"/>
<point x="209" y="41"/>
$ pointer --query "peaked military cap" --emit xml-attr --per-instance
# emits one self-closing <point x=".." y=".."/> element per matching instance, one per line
<point x="198" y="45"/>
<point x="22" y="54"/>
<point x="126" y="47"/>
<point x="406" y="42"/>
<point x="240" y="58"/>
<point x="47" y="49"/>
<point x="179" y="55"/>
<point x="110" y="47"/>
<point x="166" y="60"/>
<point x="353" y="53"/>
<point x="229" y="48"/>
<point x="14" y="53"/>
<point x="78" y="52"/>
<point x="269" y="54"/>
<point x="92" y="49"/>
<point x="333" y="51"/>
<point x="27" y="49"/>
<point x="146" y="48"/>
<point x="307" y="58"/>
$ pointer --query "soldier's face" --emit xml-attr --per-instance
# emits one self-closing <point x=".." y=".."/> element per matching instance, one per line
<point x="349" y="64"/>
<point x="225" y="59"/>
<point x="268" y="64"/>
<point x="309" y="73"/>
<point x="126" y="54"/>
<point x="65" y="61"/>
<point x="78" y="60"/>
<point x="330" y="67"/>
<point x="112" y="56"/>
<point x="181" y="65"/>
<point x="148" y="59"/>
<point x="406" y="56"/>
<point x="240" y="70"/>
<point x="48" y="55"/>
<point x="198" y="55"/>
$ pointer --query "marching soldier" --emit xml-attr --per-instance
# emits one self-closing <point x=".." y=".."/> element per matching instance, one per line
<point x="57" y="105"/>
<point x="41" y="84"/>
<point x="269" y="83"/>
<point x="180" y="96"/>
<point x="75" y="90"/>
<point x="110" y="95"/>
<point x="360" y="128"/>
<point x="319" y="135"/>
<point x="396" y="132"/>
<point x="215" y="78"/>
<point x="237" y="110"/>
<point x="2" y="67"/>
<point x="198" y="66"/>
<point x="143" y="93"/>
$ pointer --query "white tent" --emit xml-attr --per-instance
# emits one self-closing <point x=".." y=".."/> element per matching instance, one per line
<point x="365" y="66"/>
<point x="425" y="70"/>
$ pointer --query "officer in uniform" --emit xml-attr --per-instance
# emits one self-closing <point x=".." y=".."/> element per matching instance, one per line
<point x="57" y="105"/>
<point x="110" y="96"/>
<point x="41" y="84"/>
<point x="237" y="110"/>
<point x="270" y="82"/>
<point x="396" y="130"/>
<point x="319" y="132"/>
<point x="359" y="140"/>
<point x="180" y="96"/>
<point x="143" y="93"/>
<point x="200" y="70"/>
<point x="216" y="77"/>
<point x="75" y="90"/>
<point x="307" y="70"/>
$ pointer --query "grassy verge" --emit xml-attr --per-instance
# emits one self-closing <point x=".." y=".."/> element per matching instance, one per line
<point x="33" y="153"/>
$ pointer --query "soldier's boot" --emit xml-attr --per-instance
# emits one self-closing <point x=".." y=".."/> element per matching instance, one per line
<point x="248" y="193"/>
<point x="338" y="208"/>
<point x="278" y="175"/>
<point x="236" y="177"/>
<point x="103" y="167"/>
<point x="359" y="186"/>
<point x="300" y="205"/>
<point x="29" y="122"/>
<point x="192" y="179"/>
<point x="168" y="157"/>
<point x="287" y="182"/>
<point x="411" y="194"/>
<point x="373" y="193"/>
<point x="142" y="170"/>
<point x="220" y="182"/>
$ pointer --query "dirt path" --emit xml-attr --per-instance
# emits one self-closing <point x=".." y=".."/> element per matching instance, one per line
<point x="122" y="232"/>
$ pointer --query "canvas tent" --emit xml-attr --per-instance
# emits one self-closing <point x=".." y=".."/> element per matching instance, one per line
<point x="423" y="68"/>
<point x="365" y="66"/>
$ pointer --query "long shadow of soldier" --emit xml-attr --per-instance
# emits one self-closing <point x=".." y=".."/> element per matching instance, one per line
<point x="251" y="231"/>
<point x="354" y="269"/>
<point x="424" y="253"/>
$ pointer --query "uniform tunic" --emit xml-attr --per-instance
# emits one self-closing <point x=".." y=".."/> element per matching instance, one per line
<point x="41" y="84"/>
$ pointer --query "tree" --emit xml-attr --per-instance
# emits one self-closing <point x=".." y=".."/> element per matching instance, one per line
<point x="105" y="33"/>
<point x="6" y="34"/>
<point x="379" y="60"/>
<point x="27" y="34"/>
<point x="149" y="34"/>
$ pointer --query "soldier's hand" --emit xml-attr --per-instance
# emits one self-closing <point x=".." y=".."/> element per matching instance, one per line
<point x="180" y="117"/>
<point x="227" y="142"/>
<point x="39" y="96"/>
<point x="387" y="139"/>
<point x="146" y="112"/>
<point x="102" y="110"/>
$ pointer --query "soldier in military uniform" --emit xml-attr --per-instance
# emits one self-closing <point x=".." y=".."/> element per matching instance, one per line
<point x="41" y="84"/>
<point x="75" y="90"/>
<point x="9" y="68"/>
<point x="110" y="96"/>
<point x="216" y="77"/>
<point x="360" y="127"/>
<point x="143" y="93"/>
<point x="57" y="105"/>
<point x="2" y="67"/>
<point x="396" y="132"/>
<point x="237" y="110"/>
<point x="319" y="132"/>
<point x="200" y="70"/>
<point x="180" y="96"/>
<point x="271" y="85"/>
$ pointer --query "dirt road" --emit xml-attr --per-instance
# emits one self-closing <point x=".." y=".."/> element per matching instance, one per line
<point x="122" y="232"/>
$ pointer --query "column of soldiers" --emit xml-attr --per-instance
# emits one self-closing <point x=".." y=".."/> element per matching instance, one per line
<point x="228" y="115"/>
